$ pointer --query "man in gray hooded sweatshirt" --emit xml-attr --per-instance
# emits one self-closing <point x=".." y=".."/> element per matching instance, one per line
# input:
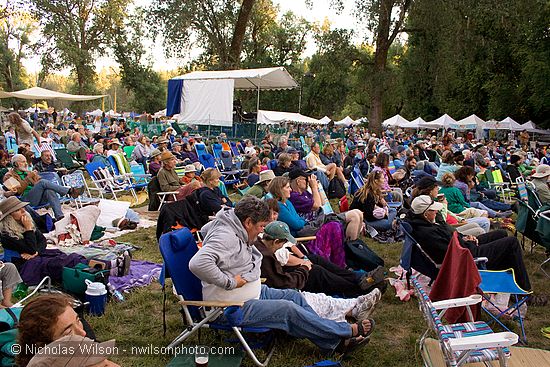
<point x="229" y="268"/>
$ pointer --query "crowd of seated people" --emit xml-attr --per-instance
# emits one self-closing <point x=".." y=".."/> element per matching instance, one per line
<point x="441" y="184"/>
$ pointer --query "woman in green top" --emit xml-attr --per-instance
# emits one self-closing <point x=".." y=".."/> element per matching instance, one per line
<point x="37" y="191"/>
<point x="456" y="201"/>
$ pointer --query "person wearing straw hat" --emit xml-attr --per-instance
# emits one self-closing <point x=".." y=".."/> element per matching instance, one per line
<point x="260" y="188"/>
<point x="114" y="145"/>
<point x="154" y="163"/>
<point x="190" y="175"/>
<point x="50" y="320"/>
<point x="540" y="180"/>
<point x="162" y="144"/>
<point x="169" y="179"/>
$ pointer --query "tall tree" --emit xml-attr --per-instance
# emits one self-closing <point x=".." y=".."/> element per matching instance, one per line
<point x="79" y="30"/>
<point x="138" y="76"/>
<point x="218" y="26"/>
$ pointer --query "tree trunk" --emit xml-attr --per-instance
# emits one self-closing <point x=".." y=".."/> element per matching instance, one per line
<point x="239" y="32"/>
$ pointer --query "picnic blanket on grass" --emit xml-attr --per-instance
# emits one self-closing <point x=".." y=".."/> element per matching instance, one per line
<point x="142" y="273"/>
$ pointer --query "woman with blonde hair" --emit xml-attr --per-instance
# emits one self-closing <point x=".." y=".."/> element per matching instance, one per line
<point x="211" y="199"/>
<point x="370" y="200"/>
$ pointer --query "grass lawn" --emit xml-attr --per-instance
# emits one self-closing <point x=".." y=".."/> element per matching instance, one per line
<point x="138" y="320"/>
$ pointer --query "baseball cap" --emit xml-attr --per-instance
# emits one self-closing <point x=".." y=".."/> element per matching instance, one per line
<point x="423" y="203"/>
<point x="292" y="150"/>
<point x="279" y="231"/>
<point x="298" y="173"/>
<point x="426" y="182"/>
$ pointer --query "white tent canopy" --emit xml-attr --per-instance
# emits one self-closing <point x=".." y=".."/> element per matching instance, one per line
<point x="506" y="124"/>
<point x="529" y="125"/>
<point x="276" y="117"/>
<point x="160" y="114"/>
<point x="414" y="124"/>
<point x="42" y="94"/>
<point x="346" y="121"/>
<point x="95" y="113"/>
<point x="444" y="121"/>
<point x="251" y="79"/>
<point x="325" y="120"/>
<point x="206" y="97"/>
<point x="395" y="121"/>
<point x="469" y="123"/>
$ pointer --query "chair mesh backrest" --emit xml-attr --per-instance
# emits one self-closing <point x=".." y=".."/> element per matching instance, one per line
<point x="114" y="164"/>
<point x="200" y="148"/>
<point x="177" y="248"/>
<point x="414" y="257"/>
<point x="234" y="149"/>
<point x="92" y="167"/>
<point x="522" y="189"/>
<point x="216" y="150"/>
<point x="207" y="160"/>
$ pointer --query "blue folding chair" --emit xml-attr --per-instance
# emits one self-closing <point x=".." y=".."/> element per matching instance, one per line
<point x="272" y="164"/>
<point x="200" y="148"/>
<point x="356" y="181"/>
<point x="503" y="281"/>
<point x="11" y="145"/>
<point x="217" y="150"/>
<point x="177" y="248"/>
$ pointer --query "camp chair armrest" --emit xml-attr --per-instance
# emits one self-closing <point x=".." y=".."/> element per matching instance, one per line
<point x="305" y="239"/>
<point x="458" y="302"/>
<point x="481" y="260"/>
<point x="167" y="193"/>
<point x="496" y="340"/>
<point x="212" y="303"/>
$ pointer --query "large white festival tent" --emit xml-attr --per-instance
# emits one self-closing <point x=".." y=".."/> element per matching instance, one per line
<point x="206" y="97"/>
<point x="38" y="93"/>
<point x="278" y="118"/>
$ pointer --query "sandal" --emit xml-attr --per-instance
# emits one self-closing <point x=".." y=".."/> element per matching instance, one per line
<point x="348" y="346"/>
<point x="361" y="329"/>
<point x="545" y="331"/>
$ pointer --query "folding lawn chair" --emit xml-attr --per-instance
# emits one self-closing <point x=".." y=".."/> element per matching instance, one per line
<point x="77" y="179"/>
<point x="495" y="180"/>
<point x="68" y="162"/>
<point x="216" y="150"/>
<point x="177" y="248"/>
<point x="462" y="343"/>
<point x="106" y="183"/>
<point x="503" y="281"/>
<point x="356" y="181"/>
<point x="11" y="145"/>
<point x="128" y="150"/>
<point x="543" y="229"/>
<point x="305" y="147"/>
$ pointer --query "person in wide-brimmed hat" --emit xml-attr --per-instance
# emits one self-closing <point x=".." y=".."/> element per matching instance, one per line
<point x="190" y="174"/>
<point x="260" y="188"/>
<point x="114" y="145"/>
<point x="540" y="180"/>
<point x="169" y="181"/>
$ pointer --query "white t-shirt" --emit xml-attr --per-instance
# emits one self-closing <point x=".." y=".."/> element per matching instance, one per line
<point x="24" y="134"/>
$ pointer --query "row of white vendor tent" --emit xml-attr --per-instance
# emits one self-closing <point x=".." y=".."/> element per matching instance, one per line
<point x="471" y="122"/>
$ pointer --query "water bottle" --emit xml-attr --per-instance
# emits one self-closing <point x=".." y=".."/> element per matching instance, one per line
<point x="116" y="294"/>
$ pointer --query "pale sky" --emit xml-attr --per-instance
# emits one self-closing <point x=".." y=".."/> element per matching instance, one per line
<point x="317" y="13"/>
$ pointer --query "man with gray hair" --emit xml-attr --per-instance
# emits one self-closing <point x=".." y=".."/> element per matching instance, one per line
<point x="229" y="267"/>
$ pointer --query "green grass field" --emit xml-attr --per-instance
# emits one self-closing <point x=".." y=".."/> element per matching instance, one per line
<point x="138" y="320"/>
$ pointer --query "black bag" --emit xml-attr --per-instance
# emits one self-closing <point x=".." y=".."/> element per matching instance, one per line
<point x="153" y="187"/>
<point x="360" y="256"/>
<point x="336" y="189"/>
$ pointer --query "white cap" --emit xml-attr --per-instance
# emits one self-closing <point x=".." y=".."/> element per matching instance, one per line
<point x="421" y="204"/>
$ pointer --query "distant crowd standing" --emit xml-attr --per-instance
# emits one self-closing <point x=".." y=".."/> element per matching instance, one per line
<point x="440" y="184"/>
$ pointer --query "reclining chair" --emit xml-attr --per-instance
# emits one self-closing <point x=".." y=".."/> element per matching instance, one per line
<point x="177" y="248"/>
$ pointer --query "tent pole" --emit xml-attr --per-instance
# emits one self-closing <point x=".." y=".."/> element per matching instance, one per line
<point x="257" y="109"/>
<point x="208" y="137"/>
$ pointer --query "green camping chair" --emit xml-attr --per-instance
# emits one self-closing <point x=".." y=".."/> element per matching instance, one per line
<point x="65" y="157"/>
<point x="128" y="150"/>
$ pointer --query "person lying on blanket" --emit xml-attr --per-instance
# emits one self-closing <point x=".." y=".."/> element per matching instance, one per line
<point x="229" y="268"/>
<point x="50" y="320"/>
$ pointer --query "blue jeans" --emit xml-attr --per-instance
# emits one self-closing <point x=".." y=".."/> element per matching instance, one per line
<point x="46" y="192"/>
<point x="478" y="205"/>
<point x="483" y="222"/>
<point x="323" y="179"/>
<point x="496" y="205"/>
<point x="132" y="216"/>
<point x="383" y="225"/>
<point x="286" y="309"/>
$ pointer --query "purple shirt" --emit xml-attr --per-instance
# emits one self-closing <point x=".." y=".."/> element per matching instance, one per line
<point x="303" y="203"/>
